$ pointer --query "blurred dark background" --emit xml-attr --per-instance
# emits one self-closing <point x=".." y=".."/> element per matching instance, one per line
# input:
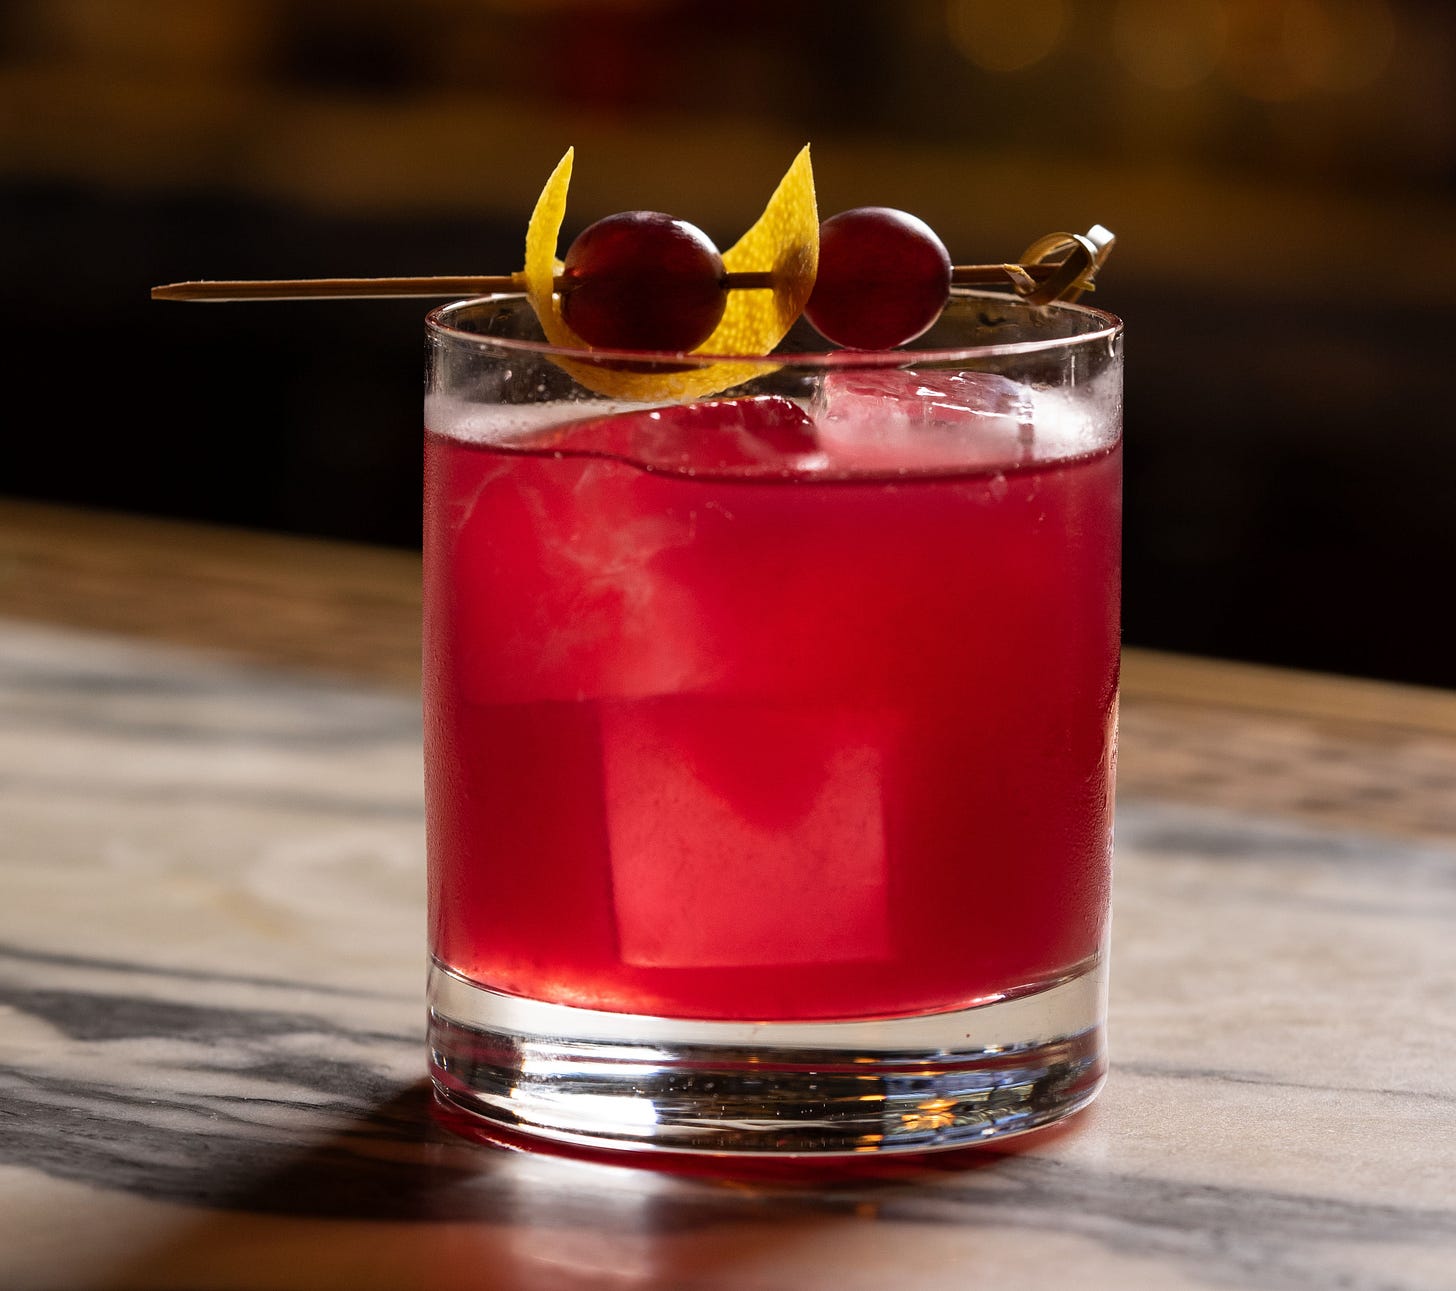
<point x="1281" y="175"/>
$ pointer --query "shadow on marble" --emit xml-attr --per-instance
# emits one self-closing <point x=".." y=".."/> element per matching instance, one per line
<point x="409" y="1159"/>
<point x="426" y="1206"/>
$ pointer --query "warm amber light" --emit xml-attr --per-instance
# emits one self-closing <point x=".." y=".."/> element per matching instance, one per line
<point x="1006" y="35"/>
<point x="1169" y="44"/>
<point x="1339" y="45"/>
<point x="1282" y="49"/>
<point x="930" y="1114"/>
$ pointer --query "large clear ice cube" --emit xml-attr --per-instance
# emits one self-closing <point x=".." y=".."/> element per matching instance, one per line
<point x="872" y="419"/>
<point x="745" y="834"/>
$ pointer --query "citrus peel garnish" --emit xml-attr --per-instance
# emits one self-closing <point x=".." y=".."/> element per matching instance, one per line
<point x="784" y="241"/>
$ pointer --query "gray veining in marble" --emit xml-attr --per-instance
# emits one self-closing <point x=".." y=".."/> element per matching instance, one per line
<point x="212" y="1074"/>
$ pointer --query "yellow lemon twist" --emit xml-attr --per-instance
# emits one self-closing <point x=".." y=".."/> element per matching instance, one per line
<point x="784" y="242"/>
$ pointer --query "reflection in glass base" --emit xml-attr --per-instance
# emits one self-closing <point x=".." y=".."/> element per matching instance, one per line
<point x="906" y="1084"/>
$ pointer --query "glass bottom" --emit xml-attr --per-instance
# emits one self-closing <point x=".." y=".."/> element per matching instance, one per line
<point x="904" y="1084"/>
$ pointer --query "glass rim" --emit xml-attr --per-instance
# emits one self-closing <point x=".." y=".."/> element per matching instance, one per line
<point x="1111" y="326"/>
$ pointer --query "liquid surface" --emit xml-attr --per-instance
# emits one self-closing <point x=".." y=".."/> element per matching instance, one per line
<point x="768" y="729"/>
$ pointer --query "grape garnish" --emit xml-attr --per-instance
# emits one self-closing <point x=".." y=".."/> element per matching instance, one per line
<point x="642" y="280"/>
<point x="883" y="279"/>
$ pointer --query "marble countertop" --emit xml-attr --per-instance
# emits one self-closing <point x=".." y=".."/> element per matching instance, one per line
<point x="212" y="966"/>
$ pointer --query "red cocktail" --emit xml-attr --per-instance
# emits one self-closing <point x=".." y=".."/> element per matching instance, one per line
<point x="773" y="734"/>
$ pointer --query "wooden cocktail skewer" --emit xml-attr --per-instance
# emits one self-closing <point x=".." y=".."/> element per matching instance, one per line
<point x="485" y="285"/>
<point x="1059" y="266"/>
<point x="338" y="288"/>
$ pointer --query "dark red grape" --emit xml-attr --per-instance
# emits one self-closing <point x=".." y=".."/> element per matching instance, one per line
<point x="883" y="278"/>
<point x="641" y="280"/>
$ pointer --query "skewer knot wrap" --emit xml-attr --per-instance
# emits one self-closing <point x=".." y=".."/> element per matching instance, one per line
<point x="1083" y="254"/>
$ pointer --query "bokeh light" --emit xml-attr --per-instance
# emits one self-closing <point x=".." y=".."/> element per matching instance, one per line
<point x="1282" y="49"/>
<point x="1007" y="35"/>
<point x="1170" y="44"/>
<point x="1339" y="46"/>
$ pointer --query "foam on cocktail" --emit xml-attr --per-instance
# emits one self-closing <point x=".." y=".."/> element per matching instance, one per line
<point x="473" y="422"/>
<point x="860" y="421"/>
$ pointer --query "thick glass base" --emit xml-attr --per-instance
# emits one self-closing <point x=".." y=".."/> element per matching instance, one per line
<point x="903" y="1084"/>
